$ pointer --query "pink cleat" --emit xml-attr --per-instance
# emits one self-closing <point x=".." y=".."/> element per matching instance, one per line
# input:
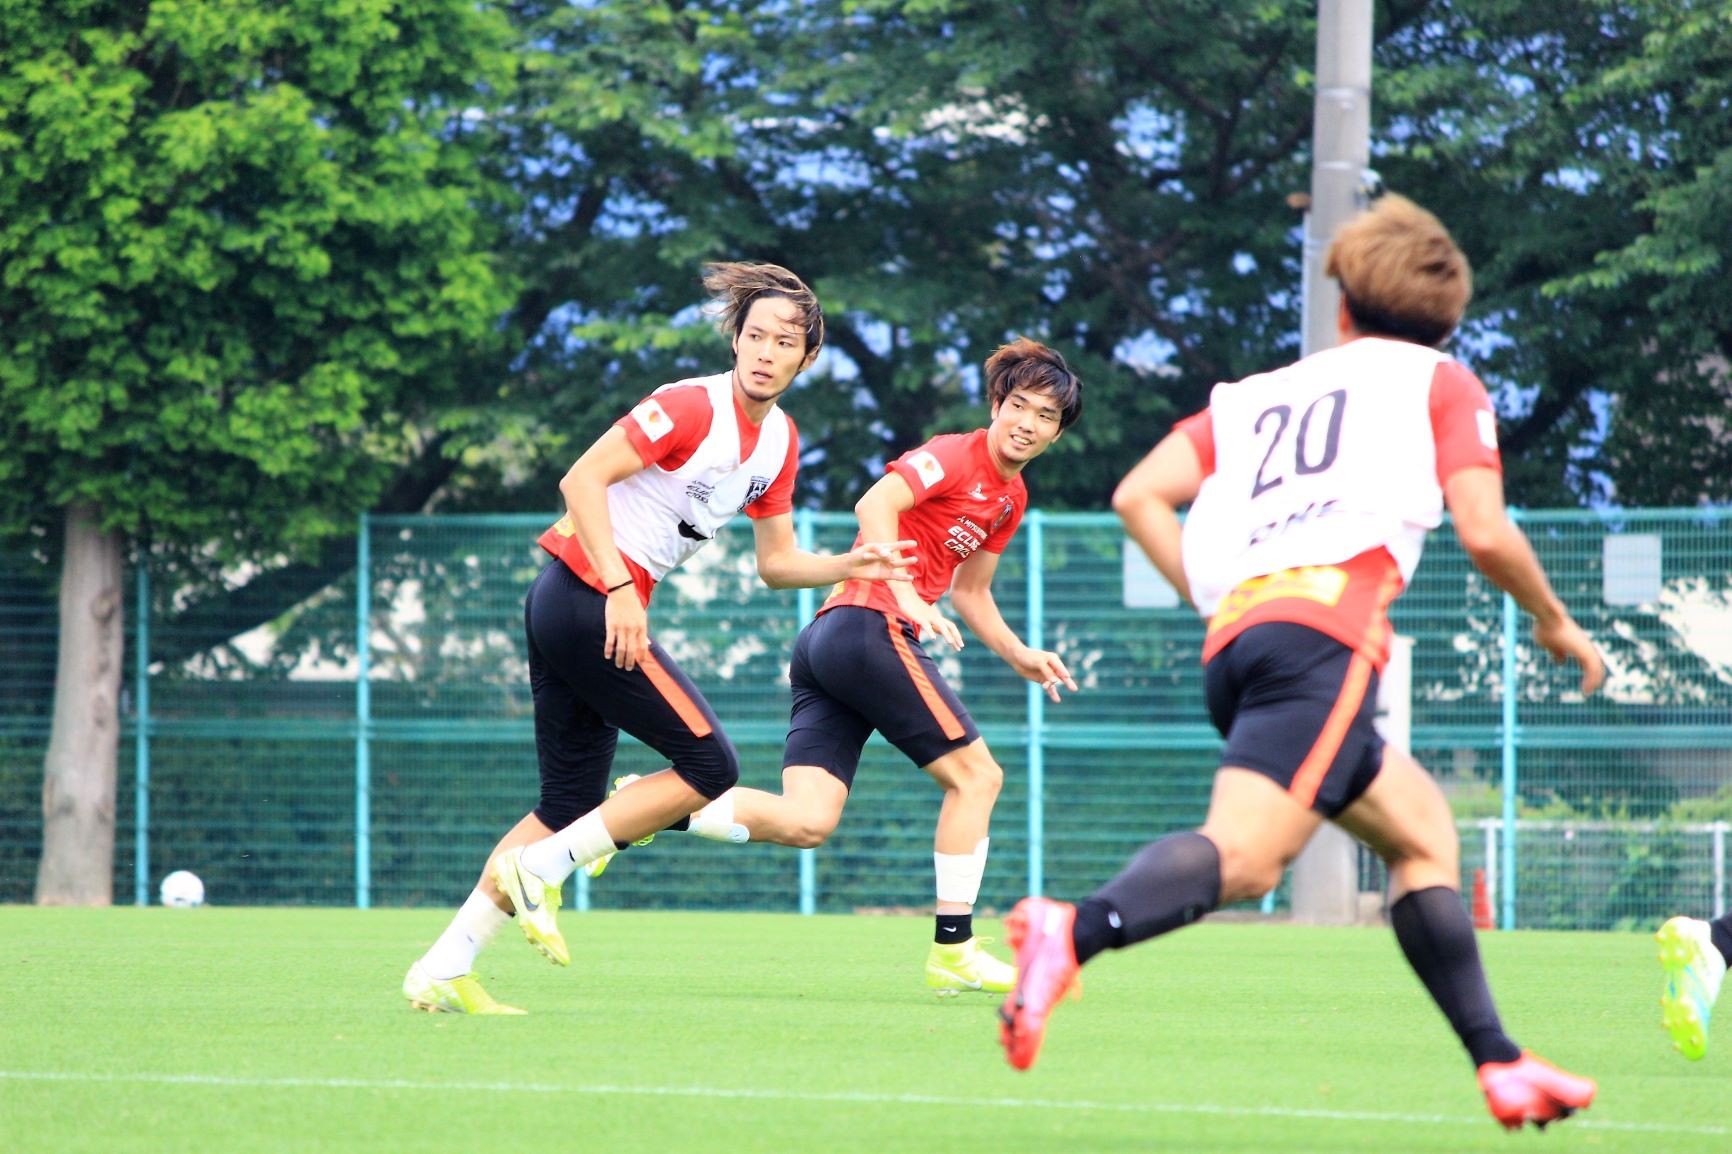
<point x="1039" y="930"/>
<point x="1531" y="1089"/>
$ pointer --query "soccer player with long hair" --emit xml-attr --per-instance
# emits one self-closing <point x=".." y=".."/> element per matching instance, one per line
<point x="646" y="496"/>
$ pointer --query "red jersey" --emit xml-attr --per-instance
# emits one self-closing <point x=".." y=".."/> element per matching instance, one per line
<point x="961" y="503"/>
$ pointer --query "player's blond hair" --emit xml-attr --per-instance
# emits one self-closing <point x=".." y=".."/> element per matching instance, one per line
<point x="735" y="285"/>
<point x="1401" y="273"/>
<point x="1026" y="364"/>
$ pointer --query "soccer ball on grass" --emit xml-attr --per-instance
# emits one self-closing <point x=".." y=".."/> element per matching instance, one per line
<point x="182" y="890"/>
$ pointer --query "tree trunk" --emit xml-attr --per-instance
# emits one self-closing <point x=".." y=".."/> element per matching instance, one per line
<point x="78" y="785"/>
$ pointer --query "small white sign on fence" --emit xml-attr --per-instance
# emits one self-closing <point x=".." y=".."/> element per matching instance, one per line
<point x="1630" y="569"/>
<point x="1144" y="586"/>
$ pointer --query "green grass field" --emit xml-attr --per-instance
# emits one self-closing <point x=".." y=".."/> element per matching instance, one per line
<point x="224" y="1031"/>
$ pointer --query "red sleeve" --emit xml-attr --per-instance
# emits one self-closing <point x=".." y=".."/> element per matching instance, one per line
<point x="779" y="497"/>
<point x="1463" y="423"/>
<point x="999" y="538"/>
<point x="935" y="467"/>
<point x="1200" y="428"/>
<point x="667" y="428"/>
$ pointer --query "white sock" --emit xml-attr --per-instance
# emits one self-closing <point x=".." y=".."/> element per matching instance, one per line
<point x="959" y="874"/>
<point x="716" y="821"/>
<point x="453" y="955"/>
<point x="553" y="858"/>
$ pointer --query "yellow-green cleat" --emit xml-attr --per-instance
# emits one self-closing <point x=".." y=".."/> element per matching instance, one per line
<point x="459" y="995"/>
<point x="1694" y="972"/>
<point x="964" y="967"/>
<point x="536" y="903"/>
<point x="597" y="867"/>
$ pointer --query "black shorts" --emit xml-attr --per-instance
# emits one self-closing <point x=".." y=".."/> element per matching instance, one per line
<point x="582" y="701"/>
<point x="856" y="670"/>
<point x="1296" y="705"/>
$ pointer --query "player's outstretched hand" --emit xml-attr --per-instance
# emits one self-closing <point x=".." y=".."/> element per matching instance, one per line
<point x="928" y="621"/>
<point x="1045" y="667"/>
<point x="1567" y="641"/>
<point x="882" y="561"/>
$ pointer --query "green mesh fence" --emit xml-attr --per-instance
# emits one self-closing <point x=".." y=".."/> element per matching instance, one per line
<point x="270" y="768"/>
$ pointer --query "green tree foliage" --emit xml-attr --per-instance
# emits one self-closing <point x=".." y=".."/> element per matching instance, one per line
<point x="241" y="259"/>
<point x="1579" y="153"/>
<point x="1113" y="177"/>
<point x="243" y="268"/>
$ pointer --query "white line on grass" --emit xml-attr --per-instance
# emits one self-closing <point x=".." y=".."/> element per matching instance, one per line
<point x="839" y="1096"/>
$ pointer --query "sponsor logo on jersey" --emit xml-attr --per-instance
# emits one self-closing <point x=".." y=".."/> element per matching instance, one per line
<point x="700" y="492"/>
<point x="1323" y="584"/>
<point x="976" y="492"/>
<point x="652" y="419"/>
<point x="758" y="487"/>
<point x="1004" y="512"/>
<point x="926" y="466"/>
<point x="964" y="537"/>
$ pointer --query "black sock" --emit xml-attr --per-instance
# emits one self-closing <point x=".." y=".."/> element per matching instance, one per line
<point x="1170" y="883"/>
<point x="1437" y="936"/>
<point x="1721" y="928"/>
<point x="954" y="928"/>
<point x="683" y="825"/>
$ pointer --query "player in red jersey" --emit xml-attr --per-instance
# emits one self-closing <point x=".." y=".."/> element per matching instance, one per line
<point x="647" y="495"/>
<point x="1311" y="490"/>
<point x="859" y="665"/>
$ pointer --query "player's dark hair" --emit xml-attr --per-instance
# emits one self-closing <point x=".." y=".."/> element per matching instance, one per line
<point x="1030" y="365"/>
<point x="1400" y="273"/>
<point x="734" y="286"/>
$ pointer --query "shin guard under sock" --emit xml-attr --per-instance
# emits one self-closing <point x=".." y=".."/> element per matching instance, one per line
<point x="1170" y="883"/>
<point x="1437" y="936"/>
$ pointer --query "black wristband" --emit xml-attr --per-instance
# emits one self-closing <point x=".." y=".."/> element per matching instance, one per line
<point x="621" y="585"/>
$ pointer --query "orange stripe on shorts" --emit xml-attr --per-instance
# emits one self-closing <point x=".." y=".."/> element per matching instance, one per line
<point x="940" y="711"/>
<point x="675" y="695"/>
<point x="1309" y="777"/>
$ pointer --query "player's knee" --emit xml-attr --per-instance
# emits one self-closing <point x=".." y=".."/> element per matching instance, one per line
<point x="1438" y="860"/>
<point x="810" y="830"/>
<point x="712" y="768"/>
<point x="980" y="778"/>
<point x="1247" y="873"/>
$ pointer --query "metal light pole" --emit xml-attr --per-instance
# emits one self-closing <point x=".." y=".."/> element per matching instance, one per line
<point x="1326" y="875"/>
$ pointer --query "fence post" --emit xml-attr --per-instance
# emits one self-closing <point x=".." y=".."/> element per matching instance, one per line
<point x="1488" y="828"/>
<point x="1036" y="752"/>
<point x="1719" y="868"/>
<point x="805" y="605"/>
<point x="141" y="743"/>
<point x="1509" y="756"/>
<point x="363" y="719"/>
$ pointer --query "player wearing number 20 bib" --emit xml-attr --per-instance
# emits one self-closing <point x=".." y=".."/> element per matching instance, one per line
<point x="1321" y="481"/>
<point x="1311" y="490"/>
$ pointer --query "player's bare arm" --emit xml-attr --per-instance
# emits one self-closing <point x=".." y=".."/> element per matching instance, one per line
<point x="971" y="593"/>
<point x="784" y="565"/>
<point x="609" y="460"/>
<point x="1500" y="550"/>
<point x="1148" y="502"/>
<point x="879" y="512"/>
